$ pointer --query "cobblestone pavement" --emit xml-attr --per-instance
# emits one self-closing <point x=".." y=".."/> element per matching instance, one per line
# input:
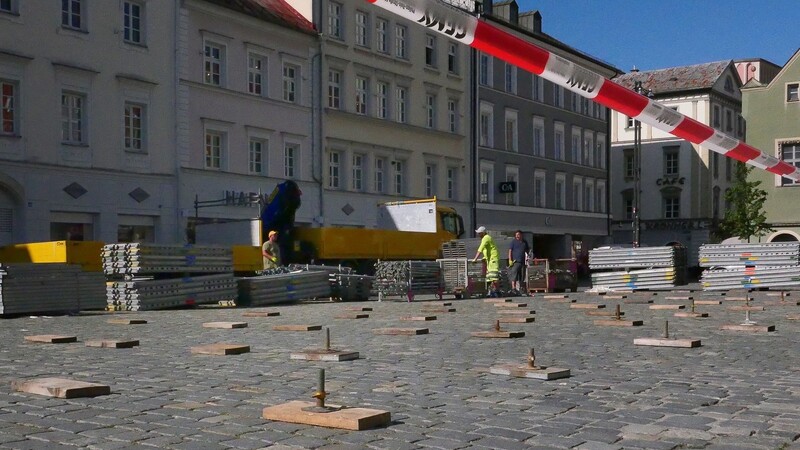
<point x="737" y="391"/>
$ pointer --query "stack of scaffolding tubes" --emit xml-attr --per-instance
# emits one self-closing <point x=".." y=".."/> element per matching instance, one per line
<point x="43" y="288"/>
<point x="736" y="266"/>
<point x="641" y="267"/>
<point x="407" y="278"/>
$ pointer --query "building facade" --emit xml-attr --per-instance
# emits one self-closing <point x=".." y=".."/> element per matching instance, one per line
<point x="87" y="139"/>
<point x="549" y="143"/>
<point x="244" y="108"/>
<point x="772" y="111"/>
<point x="393" y="113"/>
<point x="683" y="185"/>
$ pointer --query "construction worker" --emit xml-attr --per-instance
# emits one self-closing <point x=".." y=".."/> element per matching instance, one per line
<point x="271" y="252"/>
<point x="489" y="250"/>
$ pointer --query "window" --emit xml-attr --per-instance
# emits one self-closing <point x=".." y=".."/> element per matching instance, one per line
<point x="601" y="151"/>
<point x="379" y="185"/>
<point x="671" y="161"/>
<point x="381" y="35"/>
<point x="538" y="88"/>
<point x="588" y="196"/>
<point x="511" y="131"/>
<point x="399" y="177"/>
<point x="601" y="196"/>
<point x="8" y="6"/>
<point x="558" y="96"/>
<point x="256" y="160"/>
<point x="361" y="95"/>
<point x="728" y="168"/>
<point x="8" y="107"/>
<point x="588" y="148"/>
<point x="382" y="97"/>
<point x="215" y="146"/>
<point x="538" y="136"/>
<point x="715" y="203"/>
<point x="256" y="74"/>
<point x="132" y="22"/>
<point x="739" y="126"/>
<point x="334" y="89"/>
<point x="485" y="182"/>
<point x="335" y="20"/>
<point x="716" y="117"/>
<point x="72" y="14"/>
<point x="793" y="92"/>
<point x="627" y="202"/>
<point x="728" y="84"/>
<point x="452" y="115"/>
<point x="452" y="58"/>
<point x="558" y="148"/>
<point x="430" y="180"/>
<point x="400" y="33"/>
<point x="485" y="69"/>
<point x="577" y="191"/>
<point x="361" y="29"/>
<point x="672" y="206"/>
<point x="630" y="122"/>
<point x="73" y="118"/>
<point x="333" y="170"/>
<point x="430" y="50"/>
<point x="577" y="151"/>
<point x="290" y="82"/>
<point x="585" y="106"/>
<point x="560" y="191"/>
<point x="790" y="154"/>
<point x="539" y="189"/>
<point x="728" y="121"/>
<point x="511" y="78"/>
<point x="628" y="163"/>
<point x="430" y="111"/>
<point x="134" y="118"/>
<point x="290" y="155"/>
<point x="214" y="63"/>
<point x="512" y="174"/>
<point x="358" y="172"/>
<point x="574" y="102"/>
<point x="451" y="183"/>
<point x="401" y="94"/>
<point x="715" y="164"/>
<point x="485" y="125"/>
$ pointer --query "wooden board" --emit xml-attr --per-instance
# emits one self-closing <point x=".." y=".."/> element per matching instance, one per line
<point x="127" y="321"/>
<point x="587" y="306"/>
<point x="261" y="314"/>
<point x="60" y="387"/>
<point x="549" y="297"/>
<point x="793" y="316"/>
<point x="225" y="325"/>
<point x="560" y="300"/>
<point x="604" y="313"/>
<point x="297" y="327"/>
<point x="618" y="323"/>
<point x="324" y="355"/>
<point x="418" y="318"/>
<point x="498" y="300"/>
<point x="108" y="343"/>
<point x="746" y="308"/>
<point x="516" y="311"/>
<point x="540" y="373"/>
<point x="437" y="310"/>
<point x="749" y="328"/>
<point x="511" y="305"/>
<point x="352" y="315"/>
<point x="615" y="297"/>
<point x="359" y="308"/>
<point x="346" y="418"/>
<point x="708" y="302"/>
<point x="498" y="334"/>
<point x="782" y="303"/>
<point x="679" y="297"/>
<point x="400" y="331"/>
<point x="221" y="349"/>
<point x="51" y="339"/>
<point x="690" y="314"/>
<point x="638" y="301"/>
<point x="667" y="306"/>
<point x="660" y="342"/>
<point x="516" y="319"/>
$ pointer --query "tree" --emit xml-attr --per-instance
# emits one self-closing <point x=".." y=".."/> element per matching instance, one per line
<point x="745" y="218"/>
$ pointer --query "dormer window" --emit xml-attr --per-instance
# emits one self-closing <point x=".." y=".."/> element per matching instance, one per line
<point x="729" y="84"/>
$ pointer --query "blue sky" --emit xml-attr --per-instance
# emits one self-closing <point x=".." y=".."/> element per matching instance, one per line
<point x="655" y="34"/>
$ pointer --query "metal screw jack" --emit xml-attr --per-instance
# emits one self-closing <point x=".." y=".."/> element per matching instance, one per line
<point x="532" y="360"/>
<point x="666" y="329"/>
<point x="497" y="325"/>
<point x="320" y="396"/>
<point x="692" y="306"/>
<point x="617" y="315"/>
<point x="327" y="339"/>
<point x="747" y="320"/>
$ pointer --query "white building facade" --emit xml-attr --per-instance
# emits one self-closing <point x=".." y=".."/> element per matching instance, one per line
<point x="683" y="185"/>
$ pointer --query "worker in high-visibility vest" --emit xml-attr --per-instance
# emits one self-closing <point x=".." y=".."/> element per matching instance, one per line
<point x="271" y="252"/>
<point x="489" y="250"/>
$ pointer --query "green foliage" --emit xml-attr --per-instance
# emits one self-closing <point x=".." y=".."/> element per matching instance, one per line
<point x="745" y="218"/>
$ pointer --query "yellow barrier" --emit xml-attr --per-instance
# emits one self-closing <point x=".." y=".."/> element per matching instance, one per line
<point x="84" y="253"/>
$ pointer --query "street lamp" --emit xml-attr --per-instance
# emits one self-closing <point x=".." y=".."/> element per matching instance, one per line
<point x="637" y="169"/>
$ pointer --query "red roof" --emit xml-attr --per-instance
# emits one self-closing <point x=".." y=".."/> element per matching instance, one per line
<point x="275" y="11"/>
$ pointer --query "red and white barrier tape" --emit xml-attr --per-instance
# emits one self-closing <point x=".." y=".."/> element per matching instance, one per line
<point x="467" y="29"/>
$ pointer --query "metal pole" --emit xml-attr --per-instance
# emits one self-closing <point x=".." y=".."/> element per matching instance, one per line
<point x="637" y="173"/>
